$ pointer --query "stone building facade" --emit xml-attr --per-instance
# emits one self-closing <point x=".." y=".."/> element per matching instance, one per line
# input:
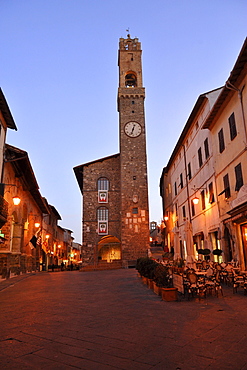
<point x="115" y="188"/>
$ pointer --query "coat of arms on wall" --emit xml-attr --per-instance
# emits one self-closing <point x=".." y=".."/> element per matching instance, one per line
<point x="103" y="196"/>
<point x="102" y="227"/>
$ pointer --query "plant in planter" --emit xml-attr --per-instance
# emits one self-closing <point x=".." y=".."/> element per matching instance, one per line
<point x="205" y="252"/>
<point x="163" y="282"/>
<point x="146" y="266"/>
<point x="162" y="277"/>
<point x="217" y="252"/>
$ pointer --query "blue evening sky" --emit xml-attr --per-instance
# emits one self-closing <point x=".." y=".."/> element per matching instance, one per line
<point x="59" y="74"/>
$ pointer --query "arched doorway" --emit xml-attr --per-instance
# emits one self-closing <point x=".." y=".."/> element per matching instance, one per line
<point x="109" y="248"/>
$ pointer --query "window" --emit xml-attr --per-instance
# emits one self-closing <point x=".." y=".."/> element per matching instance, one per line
<point x="102" y="214"/>
<point x="130" y="80"/>
<point x="206" y="148"/>
<point x="184" y="212"/>
<point x="175" y="188"/>
<point x="181" y="181"/>
<point x="232" y="126"/>
<point x="189" y="171"/>
<point x="226" y="186"/>
<point x="135" y="211"/>
<point x="203" y="199"/>
<point x="103" y="183"/>
<point x="221" y="141"/>
<point x="211" y="193"/>
<point x="200" y="156"/>
<point x="192" y="208"/>
<point x="239" y="177"/>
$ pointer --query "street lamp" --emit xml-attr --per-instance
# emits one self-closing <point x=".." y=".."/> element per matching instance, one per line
<point x="195" y="200"/>
<point x="16" y="200"/>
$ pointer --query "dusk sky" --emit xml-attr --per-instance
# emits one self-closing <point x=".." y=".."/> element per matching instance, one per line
<point x="59" y="74"/>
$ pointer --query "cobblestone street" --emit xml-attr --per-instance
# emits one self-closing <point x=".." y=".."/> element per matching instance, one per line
<point x="110" y="320"/>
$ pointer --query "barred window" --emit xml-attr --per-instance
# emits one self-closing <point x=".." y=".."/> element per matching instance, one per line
<point x="102" y="214"/>
<point x="103" y="183"/>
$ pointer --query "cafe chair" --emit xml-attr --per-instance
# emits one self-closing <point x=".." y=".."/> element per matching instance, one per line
<point x="239" y="281"/>
<point x="196" y="286"/>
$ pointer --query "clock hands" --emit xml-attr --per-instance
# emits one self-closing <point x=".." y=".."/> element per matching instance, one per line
<point x="133" y="129"/>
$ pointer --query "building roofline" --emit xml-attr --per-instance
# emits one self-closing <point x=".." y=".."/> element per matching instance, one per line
<point x="232" y="79"/>
<point x="24" y="171"/>
<point x="200" y="100"/>
<point x="78" y="170"/>
<point x="6" y="112"/>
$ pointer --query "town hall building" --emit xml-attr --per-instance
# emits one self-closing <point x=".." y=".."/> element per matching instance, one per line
<point x="115" y="224"/>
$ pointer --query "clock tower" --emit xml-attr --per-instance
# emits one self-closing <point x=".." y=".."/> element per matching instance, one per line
<point x="133" y="159"/>
<point x="115" y="225"/>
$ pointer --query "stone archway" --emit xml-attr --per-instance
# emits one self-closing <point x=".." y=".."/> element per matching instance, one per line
<point x="109" y="248"/>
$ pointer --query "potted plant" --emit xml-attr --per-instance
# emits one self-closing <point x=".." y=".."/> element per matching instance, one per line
<point x="163" y="283"/>
<point x="205" y="252"/>
<point x="217" y="252"/>
<point x="146" y="266"/>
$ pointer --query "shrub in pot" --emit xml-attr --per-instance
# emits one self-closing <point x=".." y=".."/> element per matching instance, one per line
<point x="161" y="276"/>
<point x="217" y="252"/>
<point x="146" y="266"/>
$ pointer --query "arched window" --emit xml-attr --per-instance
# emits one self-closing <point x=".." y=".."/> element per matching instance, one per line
<point x="130" y="80"/>
<point x="103" y="183"/>
<point x="102" y="214"/>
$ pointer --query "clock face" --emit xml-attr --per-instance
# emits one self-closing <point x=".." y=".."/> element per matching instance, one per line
<point x="132" y="129"/>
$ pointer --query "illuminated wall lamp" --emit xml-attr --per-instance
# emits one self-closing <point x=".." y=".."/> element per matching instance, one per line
<point x="16" y="200"/>
<point x="166" y="218"/>
<point x="37" y="224"/>
<point x="195" y="200"/>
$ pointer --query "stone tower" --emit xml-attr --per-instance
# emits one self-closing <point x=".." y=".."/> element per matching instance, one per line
<point x="133" y="161"/>
<point x="115" y="192"/>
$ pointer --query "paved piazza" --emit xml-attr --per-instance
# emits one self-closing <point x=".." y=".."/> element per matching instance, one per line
<point x="110" y="320"/>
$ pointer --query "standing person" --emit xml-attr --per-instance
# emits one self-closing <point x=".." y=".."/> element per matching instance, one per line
<point x="62" y="266"/>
